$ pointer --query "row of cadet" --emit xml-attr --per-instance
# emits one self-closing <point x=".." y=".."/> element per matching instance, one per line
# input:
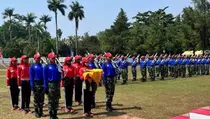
<point x="156" y="66"/>
<point x="49" y="79"/>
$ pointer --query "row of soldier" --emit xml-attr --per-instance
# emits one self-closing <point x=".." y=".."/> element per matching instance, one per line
<point x="47" y="79"/>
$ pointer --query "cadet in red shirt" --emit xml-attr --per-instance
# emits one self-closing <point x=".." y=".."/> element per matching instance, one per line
<point x="68" y="83"/>
<point x="24" y="83"/>
<point x="78" y="84"/>
<point x="87" y="89"/>
<point x="11" y="75"/>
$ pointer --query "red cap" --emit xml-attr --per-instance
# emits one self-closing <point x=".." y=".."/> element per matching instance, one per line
<point x="67" y="59"/>
<point x="91" y="56"/>
<point x="24" y="57"/>
<point x="77" y="57"/>
<point x="51" y="55"/>
<point x="108" y="54"/>
<point x="13" y="59"/>
<point x="36" y="56"/>
<point x="84" y="60"/>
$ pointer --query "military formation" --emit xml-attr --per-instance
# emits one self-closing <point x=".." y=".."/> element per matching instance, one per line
<point x="49" y="77"/>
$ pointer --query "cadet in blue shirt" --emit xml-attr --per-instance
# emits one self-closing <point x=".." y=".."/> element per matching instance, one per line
<point x="162" y="65"/>
<point x="52" y="78"/>
<point x="188" y="65"/>
<point x="37" y="85"/>
<point x="133" y="68"/>
<point x="179" y="65"/>
<point x="109" y="81"/>
<point x="157" y="68"/>
<point x="151" y="68"/>
<point x="143" y="68"/>
<point x="124" y="69"/>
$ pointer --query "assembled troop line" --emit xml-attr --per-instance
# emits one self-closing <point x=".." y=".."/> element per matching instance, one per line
<point x="50" y="78"/>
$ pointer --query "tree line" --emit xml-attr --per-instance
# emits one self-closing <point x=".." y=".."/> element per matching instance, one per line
<point x="151" y="32"/>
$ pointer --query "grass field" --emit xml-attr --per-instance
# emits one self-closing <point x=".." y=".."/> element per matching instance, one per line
<point x="150" y="100"/>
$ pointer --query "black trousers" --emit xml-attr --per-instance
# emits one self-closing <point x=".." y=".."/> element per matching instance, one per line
<point x="25" y="94"/>
<point x="94" y="88"/>
<point x="87" y="96"/>
<point x="68" y="90"/>
<point x="14" y="91"/>
<point x="78" y="89"/>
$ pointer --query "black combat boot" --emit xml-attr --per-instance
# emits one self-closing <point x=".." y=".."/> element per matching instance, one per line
<point x="55" y="114"/>
<point x="36" y="113"/>
<point x="41" y="114"/>
<point x="108" y="108"/>
<point x="51" y="114"/>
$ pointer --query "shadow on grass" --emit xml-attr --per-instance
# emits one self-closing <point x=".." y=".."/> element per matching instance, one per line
<point x="109" y="114"/>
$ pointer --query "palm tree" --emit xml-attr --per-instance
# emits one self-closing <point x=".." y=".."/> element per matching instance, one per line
<point x="9" y="13"/>
<point x="38" y="28"/>
<point x="29" y="18"/>
<point x="76" y="14"/>
<point x="44" y="19"/>
<point x="55" y="6"/>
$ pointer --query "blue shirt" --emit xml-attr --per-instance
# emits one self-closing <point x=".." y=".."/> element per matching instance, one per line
<point x="36" y="74"/>
<point x="150" y="63"/>
<point x="143" y="64"/>
<point x="180" y="61"/>
<point x="162" y="62"/>
<point x="134" y="64"/>
<point x="188" y="61"/>
<point x="92" y="65"/>
<point x="109" y="70"/>
<point x="51" y="73"/>
<point x="123" y="64"/>
<point x="157" y="62"/>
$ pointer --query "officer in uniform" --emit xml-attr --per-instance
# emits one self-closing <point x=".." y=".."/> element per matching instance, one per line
<point x="124" y="69"/>
<point x="109" y="82"/>
<point x="24" y="83"/>
<point x="151" y="68"/>
<point x="207" y="61"/>
<point x="52" y="77"/>
<point x="37" y="85"/>
<point x="12" y="83"/>
<point x="188" y="65"/>
<point x="157" y="68"/>
<point x="133" y="68"/>
<point x="162" y="65"/>
<point x="143" y="68"/>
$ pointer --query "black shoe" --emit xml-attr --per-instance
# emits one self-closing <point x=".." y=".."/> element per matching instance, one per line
<point x="113" y="108"/>
<point x="37" y="115"/>
<point x="42" y="115"/>
<point x="93" y="106"/>
<point x="108" y="109"/>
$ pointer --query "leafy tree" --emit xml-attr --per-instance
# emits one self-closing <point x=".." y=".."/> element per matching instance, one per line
<point x="55" y="6"/>
<point x="45" y="19"/>
<point x="76" y="14"/>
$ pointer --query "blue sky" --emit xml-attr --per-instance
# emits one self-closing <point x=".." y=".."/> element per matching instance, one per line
<point x="99" y="14"/>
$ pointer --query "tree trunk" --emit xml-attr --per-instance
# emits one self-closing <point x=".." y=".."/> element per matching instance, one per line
<point x="10" y="32"/>
<point x="56" y="25"/>
<point x="29" y="33"/>
<point x="76" y="28"/>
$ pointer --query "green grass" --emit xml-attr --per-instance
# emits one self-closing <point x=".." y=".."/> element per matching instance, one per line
<point x="158" y="100"/>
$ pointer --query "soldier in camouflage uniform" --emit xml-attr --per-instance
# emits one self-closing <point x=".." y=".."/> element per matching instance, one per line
<point x="203" y="65"/>
<point x="37" y="85"/>
<point x="162" y="65"/>
<point x="183" y="67"/>
<point x="151" y="68"/>
<point x="157" y="68"/>
<point x="143" y="68"/>
<point x="108" y="77"/>
<point x="188" y="65"/>
<point x="124" y="69"/>
<point x="166" y="65"/>
<point x="207" y="61"/>
<point x="133" y="68"/>
<point x="52" y="77"/>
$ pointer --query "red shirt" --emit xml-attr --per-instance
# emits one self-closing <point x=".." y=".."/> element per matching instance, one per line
<point x="11" y="73"/>
<point x="81" y="71"/>
<point x="77" y="67"/>
<point x="23" y="72"/>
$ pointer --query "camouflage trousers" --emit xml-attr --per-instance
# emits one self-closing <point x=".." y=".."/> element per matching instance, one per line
<point x="124" y="73"/>
<point x="109" y="90"/>
<point x="202" y="66"/>
<point x="144" y="74"/>
<point x="38" y="97"/>
<point x="53" y="96"/>
<point x="151" y="71"/>
<point x="133" y="70"/>
<point x="182" y="70"/>
<point x="190" y="70"/>
<point x="170" y="69"/>
<point x="198" y="69"/>
<point x="162" y="72"/>
<point x="206" y="69"/>
<point x="166" y="70"/>
<point x="157" y="71"/>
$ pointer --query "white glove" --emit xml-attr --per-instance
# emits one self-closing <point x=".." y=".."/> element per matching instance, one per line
<point x="62" y="88"/>
<point x="19" y="87"/>
<point x="8" y="86"/>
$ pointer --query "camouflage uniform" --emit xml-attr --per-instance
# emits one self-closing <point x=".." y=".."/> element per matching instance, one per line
<point x="110" y="88"/>
<point x="143" y="69"/>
